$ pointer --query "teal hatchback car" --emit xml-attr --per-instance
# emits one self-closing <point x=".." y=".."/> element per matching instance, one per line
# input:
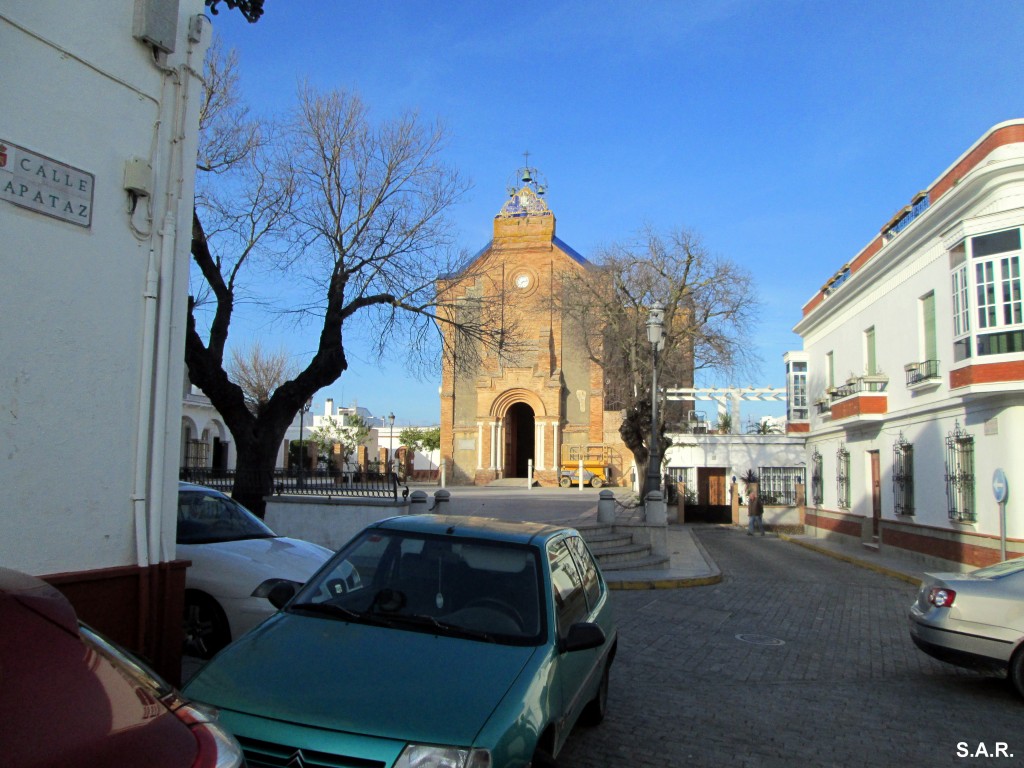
<point x="427" y="641"/>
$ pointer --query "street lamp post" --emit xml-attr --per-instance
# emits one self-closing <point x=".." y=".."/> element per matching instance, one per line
<point x="655" y="335"/>
<point x="302" y="451"/>
<point x="391" y="440"/>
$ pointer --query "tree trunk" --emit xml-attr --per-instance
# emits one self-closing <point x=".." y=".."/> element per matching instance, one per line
<point x="635" y="432"/>
<point x="254" y="476"/>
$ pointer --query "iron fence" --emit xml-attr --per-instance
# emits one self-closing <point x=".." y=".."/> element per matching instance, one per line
<point x="355" y="482"/>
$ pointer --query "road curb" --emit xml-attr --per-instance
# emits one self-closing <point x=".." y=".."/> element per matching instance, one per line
<point x="666" y="583"/>
<point x="853" y="560"/>
<point x="709" y="574"/>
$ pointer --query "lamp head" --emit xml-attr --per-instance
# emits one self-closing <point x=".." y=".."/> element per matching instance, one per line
<point x="656" y="324"/>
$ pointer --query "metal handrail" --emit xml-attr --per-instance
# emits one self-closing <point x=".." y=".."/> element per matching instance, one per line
<point x="923" y="371"/>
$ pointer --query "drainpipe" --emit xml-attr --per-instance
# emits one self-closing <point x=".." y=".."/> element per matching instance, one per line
<point x="142" y="439"/>
<point x="168" y="235"/>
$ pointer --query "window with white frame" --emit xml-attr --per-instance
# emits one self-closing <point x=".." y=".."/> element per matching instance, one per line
<point x="796" y="391"/>
<point x="778" y="484"/>
<point x="987" y="268"/>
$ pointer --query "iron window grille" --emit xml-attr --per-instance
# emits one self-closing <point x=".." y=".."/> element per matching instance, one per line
<point x="960" y="475"/>
<point x="197" y="453"/>
<point x="778" y="484"/>
<point x="903" y="476"/>
<point x="843" y="477"/>
<point x="817" y="485"/>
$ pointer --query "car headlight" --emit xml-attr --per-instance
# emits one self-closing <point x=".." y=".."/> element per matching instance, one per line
<point x="263" y="590"/>
<point x="425" y="756"/>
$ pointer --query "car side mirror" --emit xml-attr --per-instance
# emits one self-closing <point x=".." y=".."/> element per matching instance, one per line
<point x="583" y="636"/>
<point x="281" y="593"/>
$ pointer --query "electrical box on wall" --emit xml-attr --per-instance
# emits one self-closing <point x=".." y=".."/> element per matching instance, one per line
<point x="138" y="176"/>
<point x="156" y="23"/>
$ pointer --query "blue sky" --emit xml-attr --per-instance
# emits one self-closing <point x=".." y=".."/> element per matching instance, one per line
<point x="786" y="132"/>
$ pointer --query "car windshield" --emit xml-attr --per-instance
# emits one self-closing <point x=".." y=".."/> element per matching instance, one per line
<point x="475" y="589"/>
<point x="205" y="517"/>
<point x="1005" y="568"/>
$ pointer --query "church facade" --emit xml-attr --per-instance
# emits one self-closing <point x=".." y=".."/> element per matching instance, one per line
<point x="535" y="399"/>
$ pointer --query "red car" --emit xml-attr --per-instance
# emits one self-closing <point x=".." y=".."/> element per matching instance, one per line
<point x="70" y="697"/>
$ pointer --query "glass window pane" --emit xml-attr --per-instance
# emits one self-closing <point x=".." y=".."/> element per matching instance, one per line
<point x="997" y="242"/>
<point x="567" y="585"/>
<point x="591" y="580"/>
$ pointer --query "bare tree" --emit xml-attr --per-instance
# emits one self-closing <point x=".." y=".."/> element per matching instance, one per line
<point x="259" y="373"/>
<point x="227" y="131"/>
<point x="709" y="304"/>
<point x="351" y="212"/>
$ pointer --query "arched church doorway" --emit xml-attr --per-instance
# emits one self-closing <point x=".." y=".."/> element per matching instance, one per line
<point x="519" y="439"/>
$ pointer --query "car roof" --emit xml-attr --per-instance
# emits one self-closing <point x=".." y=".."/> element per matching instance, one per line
<point x="476" y="528"/>
<point x="186" y="486"/>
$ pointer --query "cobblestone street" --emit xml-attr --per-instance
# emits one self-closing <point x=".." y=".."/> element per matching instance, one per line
<point x="794" y="659"/>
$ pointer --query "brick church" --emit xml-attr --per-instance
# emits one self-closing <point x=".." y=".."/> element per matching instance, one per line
<point x="543" y="402"/>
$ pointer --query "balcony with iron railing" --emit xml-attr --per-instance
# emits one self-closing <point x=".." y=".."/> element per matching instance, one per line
<point x="863" y="396"/>
<point x="923" y="374"/>
<point x="823" y="405"/>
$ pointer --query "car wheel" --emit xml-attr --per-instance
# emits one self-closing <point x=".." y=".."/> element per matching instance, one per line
<point x="1017" y="670"/>
<point x="565" y="481"/>
<point x="596" y="482"/>
<point x="206" y="626"/>
<point x="596" y="708"/>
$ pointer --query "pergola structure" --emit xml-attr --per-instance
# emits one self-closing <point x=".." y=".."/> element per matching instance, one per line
<point x="728" y="398"/>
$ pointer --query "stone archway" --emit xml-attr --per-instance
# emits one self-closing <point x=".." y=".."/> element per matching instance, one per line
<point x="520" y="437"/>
<point x="516" y="416"/>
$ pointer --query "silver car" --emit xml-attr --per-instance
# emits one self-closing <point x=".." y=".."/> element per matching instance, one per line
<point x="974" y="619"/>
<point x="236" y="561"/>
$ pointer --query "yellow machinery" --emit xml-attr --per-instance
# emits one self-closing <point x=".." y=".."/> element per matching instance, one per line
<point x="597" y="469"/>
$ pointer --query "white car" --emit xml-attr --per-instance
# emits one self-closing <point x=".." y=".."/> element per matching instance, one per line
<point x="236" y="561"/>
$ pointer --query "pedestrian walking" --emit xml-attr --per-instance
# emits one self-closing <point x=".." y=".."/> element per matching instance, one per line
<point x="755" y="513"/>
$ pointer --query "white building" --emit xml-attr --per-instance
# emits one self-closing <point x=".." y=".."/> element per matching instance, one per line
<point x="914" y="353"/>
<point x="205" y="439"/>
<point x="97" y="153"/>
<point x="708" y="465"/>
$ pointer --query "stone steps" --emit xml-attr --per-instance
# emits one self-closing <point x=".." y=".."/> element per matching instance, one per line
<point x="615" y="550"/>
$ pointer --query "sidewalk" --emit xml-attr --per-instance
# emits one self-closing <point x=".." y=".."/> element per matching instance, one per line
<point x="692" y="566"/>
<point x="894" y="565"/>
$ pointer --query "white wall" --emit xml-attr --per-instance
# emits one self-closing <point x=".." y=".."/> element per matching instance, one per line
<point x="79" y="89"/>
<point x="327" y="522"/>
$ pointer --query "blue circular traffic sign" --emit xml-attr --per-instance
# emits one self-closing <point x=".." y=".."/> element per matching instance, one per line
<point x="1000" y="486"/>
